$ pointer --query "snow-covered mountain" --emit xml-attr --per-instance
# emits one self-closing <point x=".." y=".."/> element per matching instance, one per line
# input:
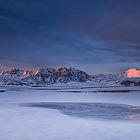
<point x="42" y="76"/>
<point x="133" y="73"/>
<point x="131" y="77"/>
<point x="107" y="79"/>
<point x="49" y="76"/>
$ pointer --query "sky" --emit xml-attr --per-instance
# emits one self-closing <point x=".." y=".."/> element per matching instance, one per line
<point x="98" y="36"/>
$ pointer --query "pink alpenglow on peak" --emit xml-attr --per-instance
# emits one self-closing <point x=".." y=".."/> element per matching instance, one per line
<point x="133" y="73"/>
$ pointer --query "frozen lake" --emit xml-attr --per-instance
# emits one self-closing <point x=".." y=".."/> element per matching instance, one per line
<point x="65" y="114"/>
<point x="93" y="110"/>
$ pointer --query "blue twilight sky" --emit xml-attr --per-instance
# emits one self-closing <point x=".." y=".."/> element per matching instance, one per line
<point x="98" y="36"/>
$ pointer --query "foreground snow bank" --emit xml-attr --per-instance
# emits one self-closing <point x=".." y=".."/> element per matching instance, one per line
<point x="33" y="123"/>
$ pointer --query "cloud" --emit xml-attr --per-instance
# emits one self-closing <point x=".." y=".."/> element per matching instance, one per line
<point x="88" y="34"/>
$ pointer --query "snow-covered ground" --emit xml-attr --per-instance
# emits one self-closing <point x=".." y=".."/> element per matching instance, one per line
<point x="21" y="121"/>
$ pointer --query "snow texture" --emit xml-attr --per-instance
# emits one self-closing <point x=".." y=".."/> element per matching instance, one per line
<point x="19" y="120"/>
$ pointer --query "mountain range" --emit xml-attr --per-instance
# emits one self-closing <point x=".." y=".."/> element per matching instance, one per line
<point x="50" y="76"/>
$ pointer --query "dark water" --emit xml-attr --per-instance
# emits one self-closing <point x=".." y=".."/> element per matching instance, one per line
<point x="93" y="110"/>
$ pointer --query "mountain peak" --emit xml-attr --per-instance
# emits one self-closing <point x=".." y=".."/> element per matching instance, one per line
<point x="133" y="73"/>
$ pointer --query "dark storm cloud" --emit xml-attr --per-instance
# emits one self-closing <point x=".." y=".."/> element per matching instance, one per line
<point x="88" y="34"/>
